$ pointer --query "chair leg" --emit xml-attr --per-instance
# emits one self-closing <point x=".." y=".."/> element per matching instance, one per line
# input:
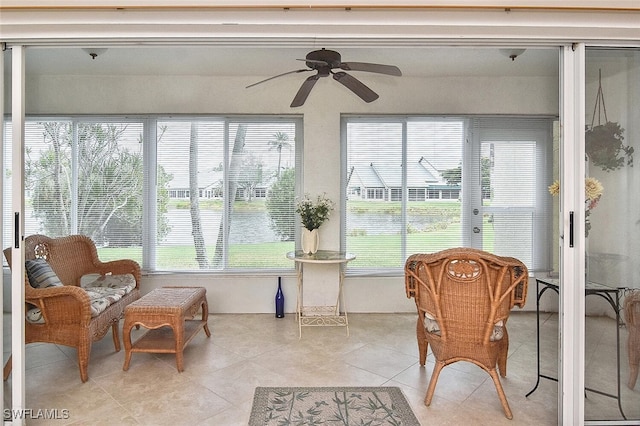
<point x="633" y="376"/>
<point x="423" y="345"/>
<point x="432" y="382"/>
<point x="503" y="352"/>
<point x="633" y="346"/>
<point x="501" y="395"/>
<point x="83" y="360"/>
<point x="7" y="369"/>
<point x="116" y="336"/>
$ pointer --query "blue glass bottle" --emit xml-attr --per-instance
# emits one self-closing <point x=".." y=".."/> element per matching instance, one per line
<point x="279" y="300"/>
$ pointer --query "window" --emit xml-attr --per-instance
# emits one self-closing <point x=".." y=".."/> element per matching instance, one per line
<point x="83" y="177"/>
<point x="245" y="173"/>
<point x="210" y="194"/>
<point x="416" y="194"/>
<point x="477" y="182"/>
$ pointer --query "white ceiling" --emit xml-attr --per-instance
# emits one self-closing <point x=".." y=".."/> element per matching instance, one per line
<point x="268" y="61"/>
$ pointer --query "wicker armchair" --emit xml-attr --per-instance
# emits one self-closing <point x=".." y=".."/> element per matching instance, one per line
<point x="632" y="319"/>
<point x="464" y="297"/>
<point x="66" y="310"/>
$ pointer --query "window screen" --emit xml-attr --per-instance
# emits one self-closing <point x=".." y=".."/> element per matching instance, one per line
<point x="226" y="191"/>
<point x="424" y="184"/>
<point x="403" y="188"/>
<point x="209" y="194"/>
<point x="83" y="177"/>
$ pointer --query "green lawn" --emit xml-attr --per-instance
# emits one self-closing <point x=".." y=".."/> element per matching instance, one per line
<point x="272" y="255"/>
<point x="387" y="251"/>
<point x="264" y="255"/>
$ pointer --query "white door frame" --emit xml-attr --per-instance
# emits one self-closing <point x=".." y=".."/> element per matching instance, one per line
<point x="17" y="237"/>
<point x="572" y="236"/>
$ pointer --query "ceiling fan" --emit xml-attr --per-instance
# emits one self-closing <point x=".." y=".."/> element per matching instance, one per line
<point x="325" y="62"/>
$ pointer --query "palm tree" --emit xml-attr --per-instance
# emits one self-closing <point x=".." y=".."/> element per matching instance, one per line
<point x="235" y="167"/>
<point x="281" y="140"/>
<point x="194" y="198"/>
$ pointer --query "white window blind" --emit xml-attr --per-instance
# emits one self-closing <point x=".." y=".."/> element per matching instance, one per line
<point x="84" y="177"/>
<point x="403" y="188"/>
<point x="231" y="188"/>
<point x="423" y="184"/>
<point x="373" y="225"/>
<point x="434" y="162"/>
<point x="223" y="193"/>
<point x="516" y="203"/>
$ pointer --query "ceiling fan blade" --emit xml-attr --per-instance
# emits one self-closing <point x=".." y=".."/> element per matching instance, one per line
<point x="356" y="86"/>
<point x="314" y="61"/>
<point x="304" y="91"/>
<point x="279" y="75"/>
<point x="378" y="68"/>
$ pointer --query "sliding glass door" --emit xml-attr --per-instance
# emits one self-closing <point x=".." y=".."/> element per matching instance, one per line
<point x="612" y="231"/>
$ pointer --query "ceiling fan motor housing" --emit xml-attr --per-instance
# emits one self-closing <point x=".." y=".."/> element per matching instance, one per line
<point x="323" y="58"/>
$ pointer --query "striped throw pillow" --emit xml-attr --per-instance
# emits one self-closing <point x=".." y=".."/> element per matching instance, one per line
<point x="40" y="274"/>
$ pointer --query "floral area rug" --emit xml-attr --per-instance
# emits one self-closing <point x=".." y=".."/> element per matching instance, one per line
<point x="345" y="406"/>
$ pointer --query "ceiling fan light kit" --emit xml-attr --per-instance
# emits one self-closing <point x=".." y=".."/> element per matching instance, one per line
<point x="94" y="52"/>
<point x="512" y="53"/>
<point x="324" y="62"/>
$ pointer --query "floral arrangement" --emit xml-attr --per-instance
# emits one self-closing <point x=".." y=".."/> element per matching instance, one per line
<point x="314" y="213"/>
<point x="593" y="190"/>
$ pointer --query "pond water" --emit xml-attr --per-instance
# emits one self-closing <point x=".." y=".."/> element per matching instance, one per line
<point x="388" y="224"/>
<point x="255" y="226"/>
<point x="245" y="227"/>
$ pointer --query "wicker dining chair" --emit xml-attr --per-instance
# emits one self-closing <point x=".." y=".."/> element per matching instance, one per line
<point x="632" y="320"/>
<point x="64" y="310"/>
<point x="464" y="297"/>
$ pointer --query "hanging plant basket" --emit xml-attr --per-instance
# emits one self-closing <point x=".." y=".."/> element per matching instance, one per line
<point x="605" y="148"/>
<point x="604" y="142"/>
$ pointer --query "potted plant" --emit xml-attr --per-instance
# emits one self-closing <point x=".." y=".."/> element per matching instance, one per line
<point x="605" y="149"/>
<point x="603" y="142"/>
<point x="313" y="214"/>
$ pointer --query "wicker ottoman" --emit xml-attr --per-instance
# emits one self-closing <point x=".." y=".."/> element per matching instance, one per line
<point x="167" y="312"/>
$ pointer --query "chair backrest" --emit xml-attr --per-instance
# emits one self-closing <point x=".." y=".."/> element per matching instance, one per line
<point x="632" y="309"/>
<point x="467" y="291"/>
<point x="70" y="257"/>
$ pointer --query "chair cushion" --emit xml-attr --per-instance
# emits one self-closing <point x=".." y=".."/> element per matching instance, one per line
<point x="34" y="316"/>
<point x="40" y="274"/>
<point x="103" y="291"/>
<point x="107" y="289"/>
<point x="431" y="326"/>
<point x="498" y="331"/>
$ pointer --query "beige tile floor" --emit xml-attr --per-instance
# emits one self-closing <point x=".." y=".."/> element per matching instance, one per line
<point x="249" y="350"/>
